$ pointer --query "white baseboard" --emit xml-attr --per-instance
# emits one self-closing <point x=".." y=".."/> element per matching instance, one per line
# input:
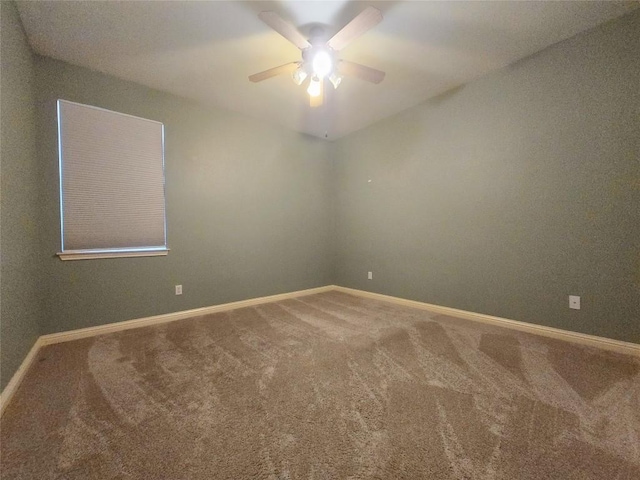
<point x="584" y="339"/>
<point x="172" y="317"/>
<point x="619" y="346"/>
<point x="16" y="380"/>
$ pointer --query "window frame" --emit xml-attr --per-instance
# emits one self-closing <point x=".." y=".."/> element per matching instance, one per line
<point x="97" y="253"/>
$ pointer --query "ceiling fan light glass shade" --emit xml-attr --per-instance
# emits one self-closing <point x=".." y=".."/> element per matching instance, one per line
<point x="322" y="64"/>
<point x="335" y="80"/>
<point x="299" y="75"/>
<point x="314" y="86"/>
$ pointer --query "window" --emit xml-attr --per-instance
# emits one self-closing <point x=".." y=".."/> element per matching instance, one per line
<point x="112" y="201"/>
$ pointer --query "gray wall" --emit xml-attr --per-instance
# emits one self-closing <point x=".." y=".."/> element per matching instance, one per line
<point x="509" y="194"/>
<point x="20" y="297"/>
<point x="247" y="208"/>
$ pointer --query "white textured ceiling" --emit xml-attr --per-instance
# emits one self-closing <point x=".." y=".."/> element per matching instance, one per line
<point x="206" y="50"/>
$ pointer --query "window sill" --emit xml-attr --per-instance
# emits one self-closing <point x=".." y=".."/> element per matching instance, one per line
<point x="94" y="254"/>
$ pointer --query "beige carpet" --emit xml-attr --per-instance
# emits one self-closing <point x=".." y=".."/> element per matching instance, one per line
<point x="325" y="386"/>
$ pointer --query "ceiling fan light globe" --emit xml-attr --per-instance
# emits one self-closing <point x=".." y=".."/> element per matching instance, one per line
<point x="322" y="63"/>
<point x="299" y="76"/>
<point x="314" y="86"/>
<point x="335" y="80"/>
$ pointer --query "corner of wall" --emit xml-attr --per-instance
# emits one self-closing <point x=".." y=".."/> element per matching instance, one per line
<point x="20" y="302"/>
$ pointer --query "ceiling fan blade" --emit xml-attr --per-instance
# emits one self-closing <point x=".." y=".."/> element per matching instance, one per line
<point x="360" y="71"/>
<point x="318" y="100"/>
<point x="366" y="20"/>
<point x="285" y="29"/>
<point x="272" y="72"/>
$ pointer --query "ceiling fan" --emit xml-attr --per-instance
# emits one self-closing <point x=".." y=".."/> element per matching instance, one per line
<point x="319" y="57"/>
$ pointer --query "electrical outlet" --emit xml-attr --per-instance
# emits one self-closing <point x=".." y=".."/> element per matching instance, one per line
<point x="370" y="275"/>
<point x="574" y="302"/>
<point x="178" y="289"/>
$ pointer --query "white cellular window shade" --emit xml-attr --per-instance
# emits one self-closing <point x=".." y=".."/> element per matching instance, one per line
<point x="112" y="199"/>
